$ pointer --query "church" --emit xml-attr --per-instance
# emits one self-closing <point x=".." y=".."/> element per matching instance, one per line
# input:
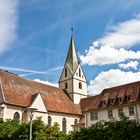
<point x="69" y="105"/>
<point x="19" y="97"/>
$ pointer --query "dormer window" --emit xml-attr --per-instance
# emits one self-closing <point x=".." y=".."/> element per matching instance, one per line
<point x="111" y="101"/>
<point x="127" y="98"/>
<point x="119" y="100"/>
<point x="103" y="103"/>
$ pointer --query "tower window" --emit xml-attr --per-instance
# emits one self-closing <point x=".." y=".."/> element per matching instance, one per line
<point x="79" y="72"/>
<point x="16" y="116"/>
<point x="65" y="72"/>
<point x="80" y="85"/>
<point x="64" y="125"/>
<point x="66" y="85"/>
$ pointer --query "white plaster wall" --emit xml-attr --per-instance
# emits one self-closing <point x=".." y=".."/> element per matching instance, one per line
<point x="103" y="114"/>
<point x="8" y="112"/>
<point x="77" y="98"/>
<point x="57" y="117"/>
<point x="77" y="89"/>
<point x="38" y="104"/>
<point x="43" y="116"/>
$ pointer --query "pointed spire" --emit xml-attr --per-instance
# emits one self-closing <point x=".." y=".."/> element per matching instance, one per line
<point x="72" y="58"/>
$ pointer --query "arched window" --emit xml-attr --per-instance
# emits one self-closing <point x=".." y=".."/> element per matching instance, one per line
<point x="75" y="122"/>
<point x="65" y="72"/>
<point x="80" y="85"/>
<point x="16" y="116"/>
<point x="66" y="85"/>
<point x="49" y="120"/>
<point x="79" y="72"/>
<point x="64" y="125"/>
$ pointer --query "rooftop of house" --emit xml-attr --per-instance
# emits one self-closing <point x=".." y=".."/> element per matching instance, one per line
<point x="115" y="96"/>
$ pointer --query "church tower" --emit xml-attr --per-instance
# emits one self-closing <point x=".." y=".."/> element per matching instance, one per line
<point x="72" y="78"/>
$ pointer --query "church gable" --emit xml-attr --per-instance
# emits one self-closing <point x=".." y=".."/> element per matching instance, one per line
<point x="66" y="73"/>
<point x="38" y="103"/>
<point x="79" y="74"/>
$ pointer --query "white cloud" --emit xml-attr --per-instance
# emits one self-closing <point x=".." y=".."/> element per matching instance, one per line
<point x="8" y="23"/>
<point x="46" y="82"/>
<point x="125" y="34"/>
<point x="111" y="78"/>
<point x="131" y="64"/>
<point x="107" y="55"/>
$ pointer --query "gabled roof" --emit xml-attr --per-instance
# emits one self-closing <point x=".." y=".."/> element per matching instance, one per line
<point x="91" y="102"/>
<point x="72" y="58"/>
<point x="19" y="91"/>
<point x="123" y="91"/>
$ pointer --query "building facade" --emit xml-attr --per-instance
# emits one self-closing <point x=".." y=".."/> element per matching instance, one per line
<point x="111" y="103"/>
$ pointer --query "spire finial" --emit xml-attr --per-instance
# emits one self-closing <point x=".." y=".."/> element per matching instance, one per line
<point x="72" y="29"/>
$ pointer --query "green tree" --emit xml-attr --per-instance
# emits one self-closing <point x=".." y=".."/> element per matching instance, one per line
<point x="124" y="129"/>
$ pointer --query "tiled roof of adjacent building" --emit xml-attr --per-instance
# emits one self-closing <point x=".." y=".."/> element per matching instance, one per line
<point x="115" y="96"/>
<point x="19" y="91"/>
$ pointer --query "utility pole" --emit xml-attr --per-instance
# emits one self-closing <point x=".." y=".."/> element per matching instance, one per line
<point x="31" y="117"/>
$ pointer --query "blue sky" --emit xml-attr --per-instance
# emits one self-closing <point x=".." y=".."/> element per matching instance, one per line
<point x="35" y="36"/>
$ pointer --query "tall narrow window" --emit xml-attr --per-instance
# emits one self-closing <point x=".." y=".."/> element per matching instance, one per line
<point x="120" y="111"/>
<point x="64" y="125"/>
<point x="75" y="122"/>
<point x="80" y="85"/>
<point x="110" y="114"/>
<point x="79" y="72"/>
<point x="16" y="116"/>
<point x="66" y="85"/>
<point x="65" y="72"/>
<point x="49" y="120"/>
<point x="75" y="125"/>
<point x="93" y="116"/>
<point x="131" y="110"/>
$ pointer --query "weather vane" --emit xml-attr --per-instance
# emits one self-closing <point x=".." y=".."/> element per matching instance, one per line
<point x="72" y="29"/>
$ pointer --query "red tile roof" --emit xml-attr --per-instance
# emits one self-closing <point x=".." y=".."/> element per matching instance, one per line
<point x="95" y="102"/>
<point x="90" y="103"/>
<point x="20" y="92"/>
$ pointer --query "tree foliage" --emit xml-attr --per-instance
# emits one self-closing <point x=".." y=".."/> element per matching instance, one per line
<point x="124" y="129"/>
<point x="15" y="130"/>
